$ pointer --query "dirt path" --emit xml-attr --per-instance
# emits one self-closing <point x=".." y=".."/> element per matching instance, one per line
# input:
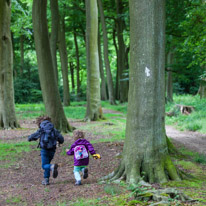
<point x="20" y="183"/>
<point x="192" y="140"/>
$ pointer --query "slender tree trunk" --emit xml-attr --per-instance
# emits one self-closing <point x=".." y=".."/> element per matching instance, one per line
<point x="121" y="53"/>
<point x="101" y="69"/>
<point x="78" y="67"/>
<point x="71" y="66"/>
<point x="169" y="77"/>
<point x="48" y="82"/>
<point x="117" y="72"/>
<point x="202" y="88"/>
<point x="64" y="63"/>
<point x="106" y="55"/>
<point x="93" y="85"/>
<point x="54" y="34"/>
<point x="145" y="153"/>
<point x="22" y="53"/>
<point x="7" y="107"/>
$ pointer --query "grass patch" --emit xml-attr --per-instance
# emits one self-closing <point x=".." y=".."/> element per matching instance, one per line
<point x="14" y="200"/>
<point x="11" y="151"/>
<point x="196" y="121"/>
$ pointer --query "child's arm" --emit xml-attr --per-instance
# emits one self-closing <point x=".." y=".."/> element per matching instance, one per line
<point x="70" y="151"/>
<point x="60" y="138"/>
<point x="35" y="136"/>
<point x="92" y="151"/>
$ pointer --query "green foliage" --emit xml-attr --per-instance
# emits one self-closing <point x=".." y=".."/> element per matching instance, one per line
<point x="27" y="91"/>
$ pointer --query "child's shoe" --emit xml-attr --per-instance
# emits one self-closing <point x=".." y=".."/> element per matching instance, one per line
<point x="45" y="181"/>
<point x="78" y="182"/>
<point x="85" y="173"/>
<point x="54" y="170"/>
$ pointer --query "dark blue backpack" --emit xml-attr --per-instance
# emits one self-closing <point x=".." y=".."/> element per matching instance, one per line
<point x="47" y="135"/>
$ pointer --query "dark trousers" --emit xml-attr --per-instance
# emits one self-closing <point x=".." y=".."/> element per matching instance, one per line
<point x="46" y="158"/>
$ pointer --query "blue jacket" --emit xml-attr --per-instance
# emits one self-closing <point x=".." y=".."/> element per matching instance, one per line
<point x="35" y="136"/>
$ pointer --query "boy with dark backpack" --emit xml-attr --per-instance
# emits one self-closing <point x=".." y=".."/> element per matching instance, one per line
<point x="81" y="149"/>
<point x="48" y="137"/>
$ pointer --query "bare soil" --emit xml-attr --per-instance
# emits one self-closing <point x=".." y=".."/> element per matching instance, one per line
<point x="20" y="183"/>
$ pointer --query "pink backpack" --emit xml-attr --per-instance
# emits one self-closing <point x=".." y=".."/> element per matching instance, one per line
<point x="80" y="152"/>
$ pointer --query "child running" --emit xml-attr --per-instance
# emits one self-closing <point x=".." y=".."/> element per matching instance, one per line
<point x="48" y="137"/>
<point x="80" y="149"/>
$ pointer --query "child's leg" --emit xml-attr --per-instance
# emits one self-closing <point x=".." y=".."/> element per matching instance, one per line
<point x="85" y="172"/>
<point x="46" y="157"/>
<point x="77" y="174"/>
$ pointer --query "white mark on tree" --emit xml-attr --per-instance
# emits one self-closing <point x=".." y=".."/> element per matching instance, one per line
<point x="147" y="71"/>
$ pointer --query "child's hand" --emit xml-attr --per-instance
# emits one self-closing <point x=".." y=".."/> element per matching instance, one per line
<point x="67" y="150"/>
<point x="96" y="156"/>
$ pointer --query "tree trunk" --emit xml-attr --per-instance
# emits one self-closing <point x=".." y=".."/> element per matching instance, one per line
<point x="78" y="68"/>
<point x="117" y="72"/>
<point x="202" y="88"/>
<point x="22" y="53"/>
<point x="101" y="70"/>
<point x="7" y="107"/>
<point x="71" y="66"/>
<point x="54" y="34"/>
<point x="106" y="57"/>
<point x="47" y="77"/>
<point x="123" y="84"/>
<point x="169" y="77"/>
<point x="64" y="63"/>
<point x="145" y="153"/>
<point x="93" y="85"/>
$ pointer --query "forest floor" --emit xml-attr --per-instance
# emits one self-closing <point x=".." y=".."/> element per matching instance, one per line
<point x="20" y="182"/>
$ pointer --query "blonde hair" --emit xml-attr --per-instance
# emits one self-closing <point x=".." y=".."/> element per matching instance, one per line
<point x="78" y="134"/>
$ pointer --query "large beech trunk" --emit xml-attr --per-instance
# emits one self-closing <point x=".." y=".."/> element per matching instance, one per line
<point x="7" y="107"/>
<point x="47" y="77"/>
<point x="106" y="55"/>
<point x="94" y="111"/>
<point x="145" y="153"/>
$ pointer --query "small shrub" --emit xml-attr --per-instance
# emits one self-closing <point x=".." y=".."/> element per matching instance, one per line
<point x="112" y="190"/>
<point x="200" y="158"/>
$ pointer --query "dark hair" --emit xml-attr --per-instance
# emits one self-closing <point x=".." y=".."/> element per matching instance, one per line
<point x="41" y="119"/>
<point x="78" y="134"/>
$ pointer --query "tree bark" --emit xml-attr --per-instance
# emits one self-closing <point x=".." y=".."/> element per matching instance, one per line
<point x="123" y="84"/>
<point x="64" y="62"/>
<point x="78" y="67"/>
<point x="93" y="85"/>
<point x="169" y="77"/>
<point x="54" y="34"/>
<point x="22" y="53"/>
<point x="71" y="66"/>
<point x="106" y="56"/>
<point x="101" y="70"/>
<point x="145" y="152"/>
<point x="202" y="88"/>
<point x="7" y="107"/>
<point x="48" y="82"/>
<point x="117" y="72"/>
